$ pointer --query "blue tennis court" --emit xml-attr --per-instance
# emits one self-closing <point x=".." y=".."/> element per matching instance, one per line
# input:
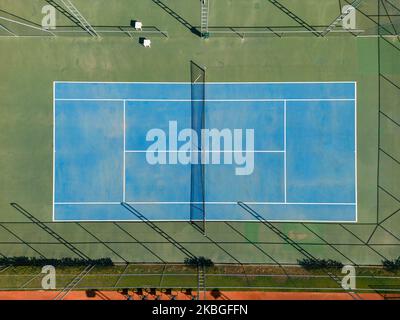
<point x="301" y="164"/>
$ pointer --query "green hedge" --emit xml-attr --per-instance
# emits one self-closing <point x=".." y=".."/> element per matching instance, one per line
<point x="198" y="261"/>
<point x="391" y="265"/>
<point x="68" y="262"/>
<point x="310" y="264"/>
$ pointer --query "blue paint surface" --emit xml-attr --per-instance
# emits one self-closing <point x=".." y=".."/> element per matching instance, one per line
<point x="281" y="91"/>
<point x="156" y="183"/>
<point x="264" y="117"/>
<point x="138" y="121"/>
<point x="265" y="184"/>
<point x="95" y="141"/>
<point x="320" y="151"/>
<point x="89" y="151"/>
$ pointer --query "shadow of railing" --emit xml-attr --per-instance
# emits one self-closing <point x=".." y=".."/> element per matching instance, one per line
<point x="48" y="230"/>
<point x="102" y="242"/>
<point x="158" y="230"/>
<point x="139" y="242"/>
<point x="13" y="24"/>
<point x="294" y="244"/>
<point x="361" y="240"/>
<point x="211" y="241"/>
<point x="104" y="31"/>
<point x="390" y="3"/>
<point x="22" y="240"/>
<point x="294" y="17"/>
<point x="178" y="18"/>
<point x="274" y="229"/>
<point x="254" y="244"/>
<point x="388" y="117"/>
<point x="18" y="26"/>
<point x="377" y="23"/>
<point x="331" y="245"/>
<point x="393" y="25"/>
<point x="65" y="13"/>
<point x="274" y="31"/>
<point x="19" y="18"/>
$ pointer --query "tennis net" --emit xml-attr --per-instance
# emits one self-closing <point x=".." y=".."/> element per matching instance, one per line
<point x="197" y="178"/>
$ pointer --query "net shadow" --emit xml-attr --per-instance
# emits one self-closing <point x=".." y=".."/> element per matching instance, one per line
<point x="197" y="167"/>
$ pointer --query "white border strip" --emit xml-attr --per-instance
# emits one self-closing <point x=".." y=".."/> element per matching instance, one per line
<point x="284" y="153"/>
<point x="355" y="150"/>
<point x="54" y="150"/>
<point x="214" y="220"/>
<point x="124" y="154"/>
<point x="212" y="202"/>
<point x="206" y="151"/>
<point x="185" y="82"/>
<point x="207" y="100"/>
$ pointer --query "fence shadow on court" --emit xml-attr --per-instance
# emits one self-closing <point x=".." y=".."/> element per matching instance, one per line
<point x="158" y="230"/>
<point x="178" y="18"/>
<point x="48" y="230"/>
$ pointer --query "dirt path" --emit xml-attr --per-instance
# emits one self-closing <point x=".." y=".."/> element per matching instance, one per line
<point x="224" y="295"/>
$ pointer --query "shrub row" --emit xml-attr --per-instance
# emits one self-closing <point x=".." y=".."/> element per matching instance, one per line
<point x="68" y="262"/>
<point x="198" y="261"/>
<point x="310" y="264"/>
<point x="391" y="265"/>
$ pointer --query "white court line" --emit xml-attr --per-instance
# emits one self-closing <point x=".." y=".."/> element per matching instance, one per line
<point x="211" y="203"/>
<point x="355" y="148"/>
<point x="124" y="99"/>
<point x="124" y="154"/>
<point x="137" y="220"/>
<point x="207" y="100"/>
<point x="277" y="99"/>
<point x="184" y="82"/>
<point x="284" y="148"/>
<point x="205" y="151"/>
<point x="54" y="148"/>
<point x="88" y="203"/>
